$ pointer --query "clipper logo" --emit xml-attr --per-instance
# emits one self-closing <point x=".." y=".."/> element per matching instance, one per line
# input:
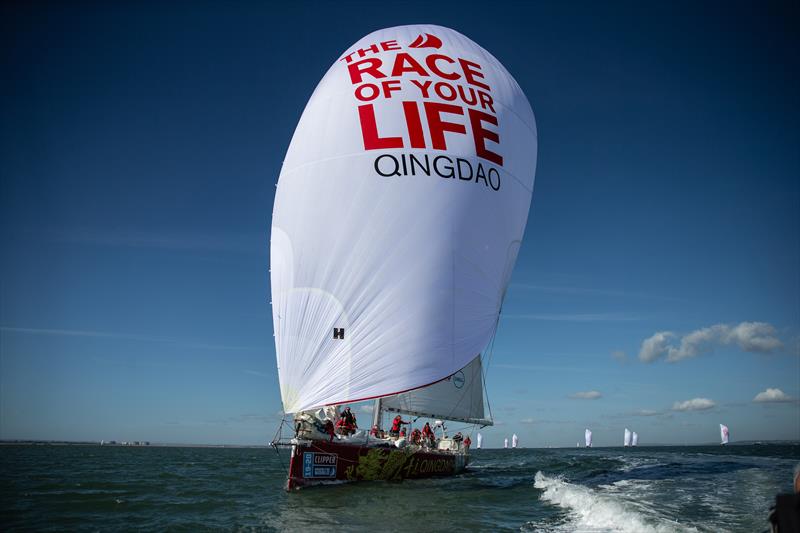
<point x="458" y="379"/>
<point x="316" y="465"/>
<point x="440" y="97"/>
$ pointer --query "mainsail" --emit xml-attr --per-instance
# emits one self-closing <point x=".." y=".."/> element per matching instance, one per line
<point x="588" y="436"/>
<point x="723" y="433"/>
<point x="398" y="216"/>
<point x="514" y="440"/>
<point x="457" y="397"/>
<point x="480" y="441"/>
<point x="505" y="442"/>
<point x="627" y="439"/>
<point x="635" y="439"/>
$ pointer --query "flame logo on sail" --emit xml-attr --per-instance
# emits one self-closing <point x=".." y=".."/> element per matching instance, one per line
<point x="426" y="40"/>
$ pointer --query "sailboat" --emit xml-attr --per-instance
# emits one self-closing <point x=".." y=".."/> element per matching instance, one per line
<point x="634" y="439"/>
<point x="724" y="434"/>
<point x="627" y="440"/>
<point x="393" y="241"/>
<point x="588" y="437"/>
<point x="505" y="442"/>
<point x="514" y="440"/>
<point x="480" y="441"/>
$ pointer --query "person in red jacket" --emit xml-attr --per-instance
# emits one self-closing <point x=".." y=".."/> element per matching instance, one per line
<point x="427" y="434"/>
<point x="346" y="425"/>
<point x="467" y="442"/>
<point x="396" y="423"/>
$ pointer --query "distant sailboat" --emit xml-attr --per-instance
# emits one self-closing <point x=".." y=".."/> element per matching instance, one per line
<point x="723" y="433"/>
<point x="635" y="439"/>
<point x="514" y="440"/>
<point x="480" y="440"/>
<point x="588" y="436"/>
<point x="577" y="444"/>
<point x="505" y="443"/>
<point x="627" y="440"/>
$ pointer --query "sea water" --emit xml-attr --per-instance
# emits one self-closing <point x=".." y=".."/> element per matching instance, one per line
<point x="641" y="489"/>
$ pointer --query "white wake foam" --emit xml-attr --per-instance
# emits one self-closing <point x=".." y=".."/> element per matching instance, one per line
<point x="594" y="511"/>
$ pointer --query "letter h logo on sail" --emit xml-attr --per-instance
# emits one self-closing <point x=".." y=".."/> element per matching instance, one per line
<point x="338" y="333"/>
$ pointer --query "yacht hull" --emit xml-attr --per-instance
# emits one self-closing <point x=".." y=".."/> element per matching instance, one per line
<point x="321" y="462"/>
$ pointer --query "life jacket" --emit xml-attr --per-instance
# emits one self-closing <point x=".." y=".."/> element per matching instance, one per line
<point x="396" y="423"/>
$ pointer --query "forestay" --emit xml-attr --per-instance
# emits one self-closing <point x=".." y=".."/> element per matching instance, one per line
<point x="398" y="216"/>
<point x="457" y="397"/>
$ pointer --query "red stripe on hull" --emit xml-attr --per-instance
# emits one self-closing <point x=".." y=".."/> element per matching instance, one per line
<point x="318" y="462"/>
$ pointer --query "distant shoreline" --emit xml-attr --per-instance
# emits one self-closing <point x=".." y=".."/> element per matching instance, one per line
<point x="144" y="444"/>
<point x="121" y="445"/>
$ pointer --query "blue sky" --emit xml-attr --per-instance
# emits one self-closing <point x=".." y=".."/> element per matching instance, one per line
<point x="140" y="145"/>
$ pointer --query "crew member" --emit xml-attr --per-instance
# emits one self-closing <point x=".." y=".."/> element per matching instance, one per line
<point x="467" y="442"/>
<point x="396" y="423"/>
<point x="427" y="434"/>
<point x="347" y="422"/>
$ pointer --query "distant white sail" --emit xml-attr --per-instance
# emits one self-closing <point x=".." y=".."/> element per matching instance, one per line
<point x="514" y="440"/>
<point x="480" y="440"/>
<point x="577" y="444"/>
<point x="588" y="436"/>
<point x="635" y="439"/>
<point x="723" y="433"/>
<point x="627" y="441"/>
<point x="505" y="443"/>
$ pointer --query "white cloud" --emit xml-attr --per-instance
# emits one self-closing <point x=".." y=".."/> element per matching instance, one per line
<point x="772" y="395"/>
<point x="527" y="421"/>
<point x="619" y="355"/>
<point x="586" y="395"/>
<point x="646" y="412"/>
<point x="695" y="404"/>
<point x="757" y="337"/>
<point x="697" y="342"/>
<point x="655" y="347"/>
<point x="366" y="408"/>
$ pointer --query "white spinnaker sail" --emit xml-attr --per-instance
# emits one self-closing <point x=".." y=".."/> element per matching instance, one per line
<point x="514" y="440"/>
<point x="505" y="442"/>
<point x="634" y="439"/>
<point x="588" y="436"/>
<point x="723" y="433"/>
<point x="458" y="397"/>
<point x="627" y="440"/>
<point x="398" y="217"/>
<point x="480" y="441"/>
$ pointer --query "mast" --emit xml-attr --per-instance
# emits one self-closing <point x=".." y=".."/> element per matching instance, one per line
<point x="376" y="413"/>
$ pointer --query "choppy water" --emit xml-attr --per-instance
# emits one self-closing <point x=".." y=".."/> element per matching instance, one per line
<point x="612" y="489"/>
